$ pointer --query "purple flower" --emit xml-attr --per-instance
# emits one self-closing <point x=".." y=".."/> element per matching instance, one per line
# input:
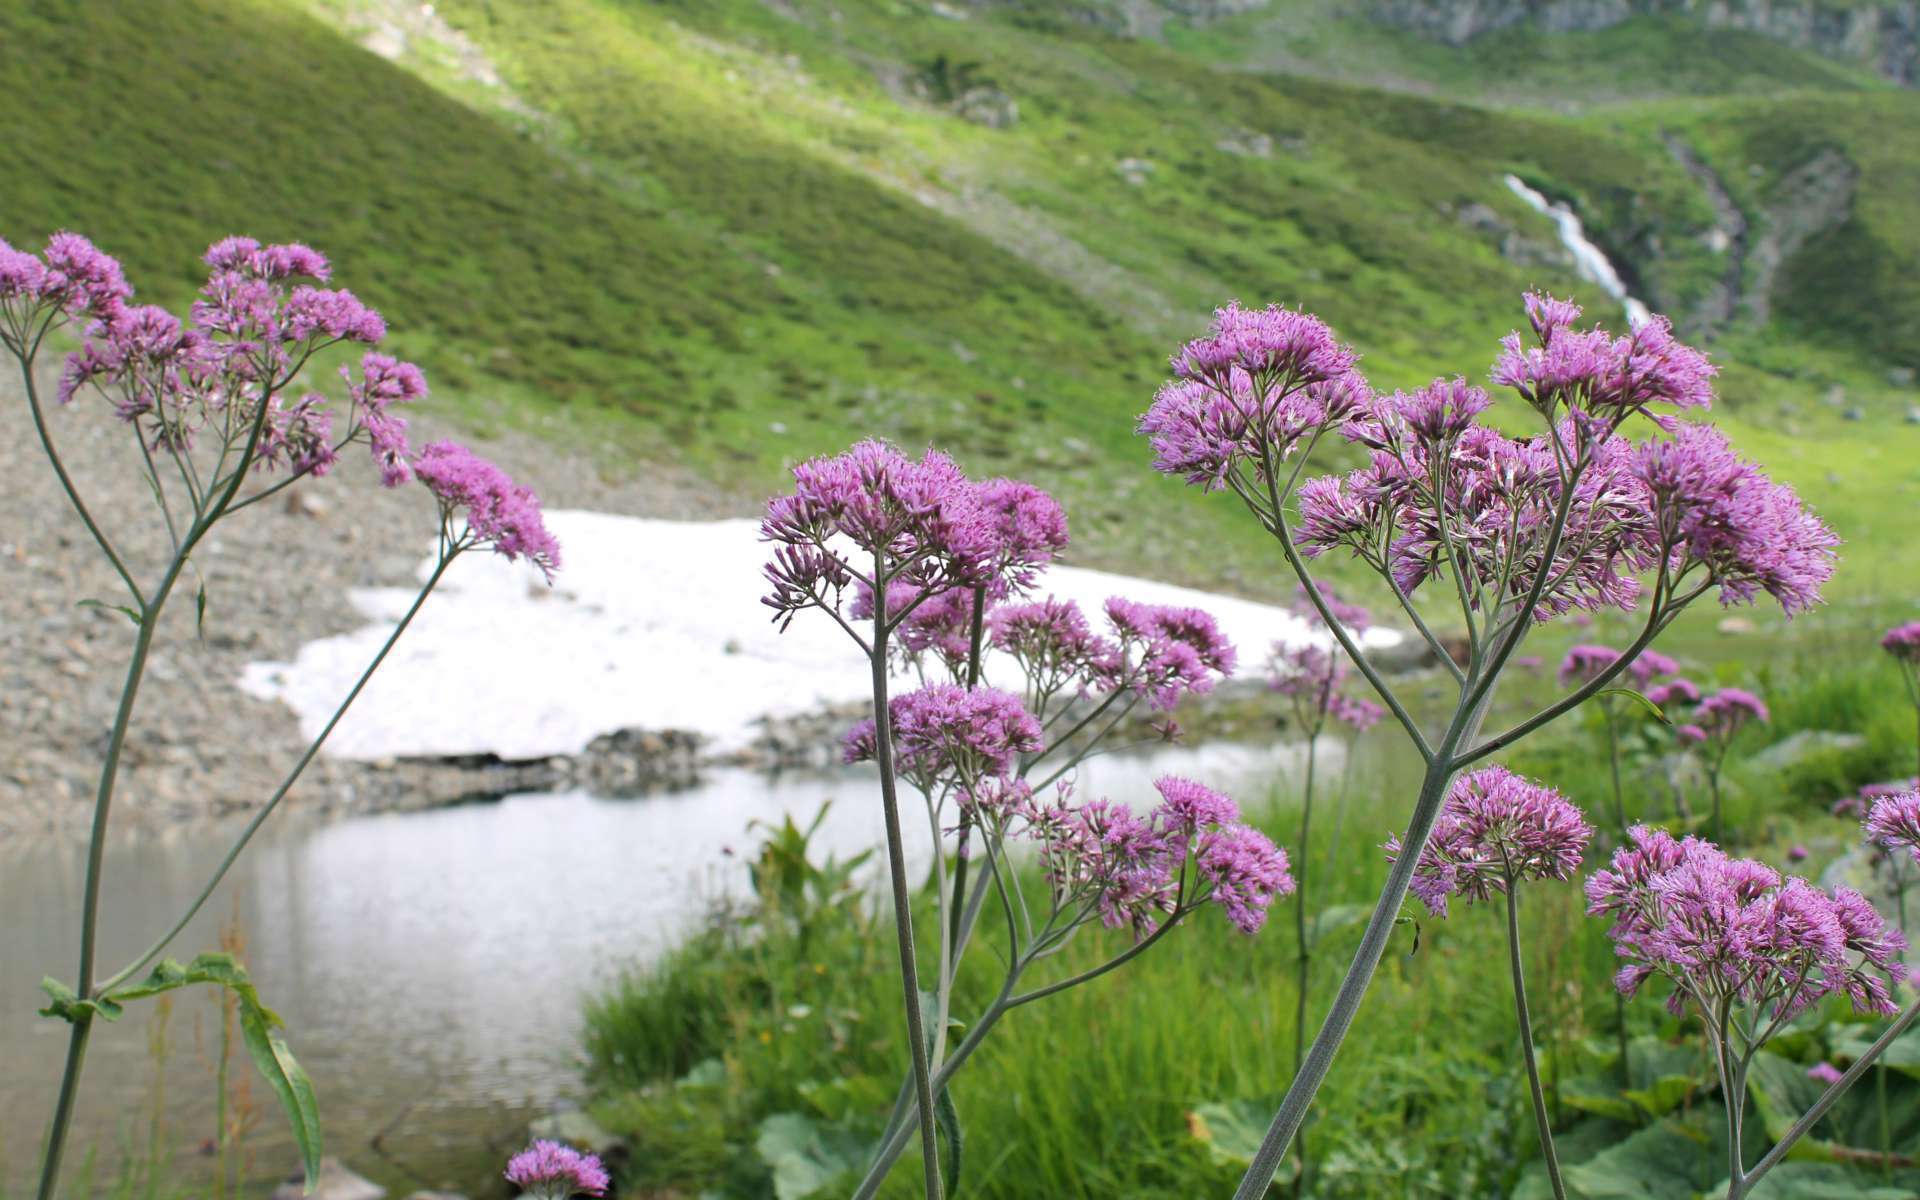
<point x="1824" y="1073"/>
<point x="1797" y="854"/>
<point x="947" y="734"/>
<point x="1721" y="514"/>
<point x="499" y="514"/>
<point x="1246" y="871"/>
<point x="550" y="1171"/>
<point x="1051" y="642"/>
<point x="1675" y="692"/>
<point x="1730" y="710"/>
<point x="1164" y="651"/>
<point x="1312" y="675"/>
<point x="1029" y="530"/>
<point x="1894" y="823"/>
<point x="81" y="280"/>
<point x="1903" y="642"/>
<point x="1496" y="826"/>
<point x="1187" y="806"/>
<point x="1272" y="343"/>
<point x="1594" y="374"/>
<point x="1585" y="663"/>
<point x="923" y="520"/>
<point x="1726" y="930"/>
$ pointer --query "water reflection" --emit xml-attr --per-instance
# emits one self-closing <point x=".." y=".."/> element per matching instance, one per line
<point x="430" y="965"/>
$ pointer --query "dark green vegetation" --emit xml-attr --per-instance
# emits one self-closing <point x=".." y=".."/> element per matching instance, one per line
<point x="764" y="1052"/>
<point x="725" y="234"/>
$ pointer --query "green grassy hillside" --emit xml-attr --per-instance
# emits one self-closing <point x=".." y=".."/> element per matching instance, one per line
<point x="727" y="233"/>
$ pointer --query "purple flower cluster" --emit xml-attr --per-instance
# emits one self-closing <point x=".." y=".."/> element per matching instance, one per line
<point x="251" y="331"/>
<point x="1443" y="492"/>
<point x="1894" y="823"/>
<point x="1133" y="871"/>
<point x="1162" y="652"/>
<point x="1903" y="642"/>
<point x="947" y="735"/>
<point x="1675" y="693"/>
<point x="1584" y="663"/>
<point x="1721" y="716"/>
<point x="499" y="514"/>
<point x="1496" y="828"/>
<point x="1156" y="652"/>
<point x="1733" y="930"/>
<point x="70" y="278"/>
<point x="1311" y="675"/>
<point x="1253" y="388"/>
<point x="924" y="524"/>
<point x="1594" y="374"/>
<point x="1718" y="512"/>
<point x="550" y="1171"/>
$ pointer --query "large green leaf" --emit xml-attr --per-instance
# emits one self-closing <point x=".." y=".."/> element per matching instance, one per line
<point x="1664" y="1076"/>
<point x="806" y="1156"/>
<point x="1232" y="1130"/>
<point x="268" y="1050"/>
<point x="1827" y="1181"/>
<point x="1656" y="1163"/>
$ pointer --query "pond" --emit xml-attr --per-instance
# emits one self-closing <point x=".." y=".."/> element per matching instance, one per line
<point x="429" y="965"/>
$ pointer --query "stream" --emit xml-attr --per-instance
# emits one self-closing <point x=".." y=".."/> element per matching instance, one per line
<point x="430" y="966"/>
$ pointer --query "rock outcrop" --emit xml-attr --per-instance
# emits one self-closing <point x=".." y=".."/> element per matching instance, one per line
<point x="1883" y="36"/>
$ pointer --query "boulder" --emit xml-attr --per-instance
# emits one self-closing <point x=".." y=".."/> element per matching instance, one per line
<point x="1808" y="742"/>
<point x="576" y="1129"/>
<point x="336" y="1182"/>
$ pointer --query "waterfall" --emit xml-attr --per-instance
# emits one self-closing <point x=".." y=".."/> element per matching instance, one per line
<point x="1588" y="261"/>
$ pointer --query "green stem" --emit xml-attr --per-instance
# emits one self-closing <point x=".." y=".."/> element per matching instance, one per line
<point x="1303" y="963"/>
<point x="1613" y="762"/>
<point x="897" y="873"/>
<point x="66" y="481"/>
<point x="286" y="784"/>
<point x="1373" y="944"/>
<point x="1526" y="1042"/>
<point x="1826" y="1101"/>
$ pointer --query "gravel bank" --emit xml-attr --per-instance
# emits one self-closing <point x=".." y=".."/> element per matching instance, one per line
<point x="276" y="577"/>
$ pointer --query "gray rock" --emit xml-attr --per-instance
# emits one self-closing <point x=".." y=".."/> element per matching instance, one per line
<point x="336" y="1182"/>
<point x="1913" y="414"/>
<point x="578" y="1130"/>
<point x="1900" y="377"/>
<point x="1806" y="743"/>
<point x="1854" y="413"/>
<point x="988" y="106"/>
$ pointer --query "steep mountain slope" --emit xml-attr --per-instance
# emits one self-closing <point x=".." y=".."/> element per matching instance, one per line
<point x="727" y="232"/>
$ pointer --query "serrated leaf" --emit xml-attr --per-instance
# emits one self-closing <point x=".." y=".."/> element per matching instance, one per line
<point x="66" y="1004"/>
<point x="270" y="1055"/>
<point x="1637" y="698"/>
<point x="123" y="610"/>
<point x="289" y="1082"/>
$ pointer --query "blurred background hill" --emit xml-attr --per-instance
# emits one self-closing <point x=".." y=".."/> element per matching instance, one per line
<point x="724" y="234"/>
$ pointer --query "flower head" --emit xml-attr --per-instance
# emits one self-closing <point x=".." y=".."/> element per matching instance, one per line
<point x="922" y="522"/>
<point x="1164" y="651"/>
<point x="499" y="514"/>
<point x="1903" y="641"/>
<point x="948" y="734"/>
<point x="1824" y="1073"/>
<point x="550" y="1171"/>
<point x="1496" y="827"/>
<point x="1893" y="823"/>
<point x="1721" y="514"/>
<point x="1732" y="930"/>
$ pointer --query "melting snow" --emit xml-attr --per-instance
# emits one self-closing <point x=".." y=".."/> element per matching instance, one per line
<point x="654" y="624"/>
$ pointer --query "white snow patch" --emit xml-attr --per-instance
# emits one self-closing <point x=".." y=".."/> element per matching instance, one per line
<point x="653" y="624"/>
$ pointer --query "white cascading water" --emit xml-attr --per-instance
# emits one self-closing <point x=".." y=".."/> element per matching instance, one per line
<point x="1588" y="261"/>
